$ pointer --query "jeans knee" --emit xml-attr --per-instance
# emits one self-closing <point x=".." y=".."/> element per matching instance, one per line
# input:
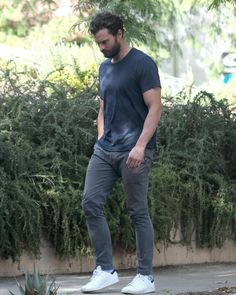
<point x="91" y="208"/>
<point x="140" y="216"/>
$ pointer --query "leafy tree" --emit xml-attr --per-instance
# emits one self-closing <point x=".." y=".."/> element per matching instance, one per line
<point x="144" y="20"/>
<point x="159" y="24"/>
<point x="18" y="16"/>
<point x="217" y="3"/>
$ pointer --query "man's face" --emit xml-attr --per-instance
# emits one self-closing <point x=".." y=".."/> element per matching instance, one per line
<point x="108" y="44"/>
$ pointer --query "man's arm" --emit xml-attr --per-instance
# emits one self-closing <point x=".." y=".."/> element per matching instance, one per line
<point x="100" y="119"/>
<point x="152" y="99"/>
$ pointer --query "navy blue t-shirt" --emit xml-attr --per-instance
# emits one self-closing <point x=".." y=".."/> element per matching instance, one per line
<point x="122" y="85"/>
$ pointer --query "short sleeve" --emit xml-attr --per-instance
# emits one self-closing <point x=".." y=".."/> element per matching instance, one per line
<point x="148" y="74"/>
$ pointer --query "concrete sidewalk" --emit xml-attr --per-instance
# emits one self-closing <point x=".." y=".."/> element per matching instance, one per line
<point x="169" y="280"/>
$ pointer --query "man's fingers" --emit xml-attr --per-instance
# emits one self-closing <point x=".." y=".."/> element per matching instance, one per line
<point x="132" y="163"/>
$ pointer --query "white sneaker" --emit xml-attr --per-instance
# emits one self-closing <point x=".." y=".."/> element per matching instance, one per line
<point x="140" y="284"/>
<point x="99" y="280"/>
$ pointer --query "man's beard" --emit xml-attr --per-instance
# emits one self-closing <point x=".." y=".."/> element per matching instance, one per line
<point x="112" y="52"/>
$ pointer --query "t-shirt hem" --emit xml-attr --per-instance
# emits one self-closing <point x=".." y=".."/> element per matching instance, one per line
<point x="110" y="148"/>
<point x="151" y="87"/>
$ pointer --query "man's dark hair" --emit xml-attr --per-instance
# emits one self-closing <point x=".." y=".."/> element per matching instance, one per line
<point x="106" y="20"/>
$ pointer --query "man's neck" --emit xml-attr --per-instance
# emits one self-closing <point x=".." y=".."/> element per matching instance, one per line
<point x="125" y="49"/>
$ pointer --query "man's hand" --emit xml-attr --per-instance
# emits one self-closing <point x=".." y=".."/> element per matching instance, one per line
<point x="136" y="157"/>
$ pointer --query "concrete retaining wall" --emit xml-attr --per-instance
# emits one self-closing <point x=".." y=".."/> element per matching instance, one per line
<point x="164" y="255"/>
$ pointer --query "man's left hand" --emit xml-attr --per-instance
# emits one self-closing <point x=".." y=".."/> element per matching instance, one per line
<point x="136" y="157"/>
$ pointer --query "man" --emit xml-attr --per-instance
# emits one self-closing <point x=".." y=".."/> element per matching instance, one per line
<point x="130" y="108"/>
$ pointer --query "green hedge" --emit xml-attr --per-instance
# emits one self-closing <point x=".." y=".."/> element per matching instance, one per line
<point x="194" y="177"/>
<point x="47" y="131"/>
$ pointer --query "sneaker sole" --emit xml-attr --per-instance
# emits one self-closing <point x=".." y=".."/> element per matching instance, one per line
<point x="140" y="292"/>
<point x="103" y="287"/>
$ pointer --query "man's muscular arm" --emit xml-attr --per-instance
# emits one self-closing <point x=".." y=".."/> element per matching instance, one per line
<point x="152" y="99"/>
<point x="100" y="119"/>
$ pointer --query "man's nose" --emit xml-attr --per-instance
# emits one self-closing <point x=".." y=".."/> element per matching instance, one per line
<point x="101" y="47"/>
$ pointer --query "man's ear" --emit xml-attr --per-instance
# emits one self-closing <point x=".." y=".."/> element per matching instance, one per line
<point x="120" y="33"/>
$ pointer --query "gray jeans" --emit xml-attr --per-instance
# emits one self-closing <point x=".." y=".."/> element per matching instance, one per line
<point x="103" y="170"/>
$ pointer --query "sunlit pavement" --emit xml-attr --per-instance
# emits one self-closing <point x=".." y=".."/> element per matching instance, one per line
<point x="169" y="280"/>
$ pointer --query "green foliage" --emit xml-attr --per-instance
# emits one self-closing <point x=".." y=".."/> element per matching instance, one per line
<point x="216" y="3"/>
<point x="36" y="285"/>
<point x="20" y="216"/>
<point x="196" y="170"/>
<point x="47" y="132"/>
<point x="70" y="78"/>
<point x="18" y="17"/>
<point x="144" y="20"/>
